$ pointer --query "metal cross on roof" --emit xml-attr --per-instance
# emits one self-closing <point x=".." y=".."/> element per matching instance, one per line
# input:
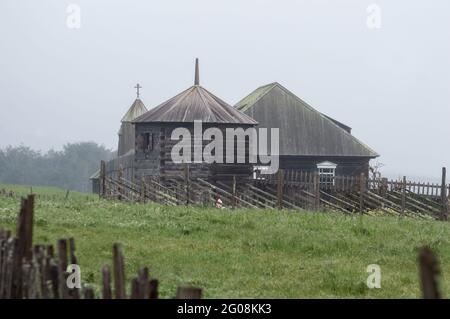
<point x="137" y="87"/>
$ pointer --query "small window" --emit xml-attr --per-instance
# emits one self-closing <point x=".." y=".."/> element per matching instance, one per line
<point x="145" y="142"/>
<point x="148" y="141"/>
<point x="327" y="172"/>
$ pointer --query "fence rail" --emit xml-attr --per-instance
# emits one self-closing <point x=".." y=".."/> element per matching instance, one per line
<point x="289" y="189"/>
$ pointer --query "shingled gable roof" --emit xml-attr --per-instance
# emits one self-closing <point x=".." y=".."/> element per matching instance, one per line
<point x="303" y="130"/>
<point x="195" y="103"/>
<point x="136" y="109"/>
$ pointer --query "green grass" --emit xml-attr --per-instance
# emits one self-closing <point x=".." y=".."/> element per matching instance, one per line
<point x="242" y="253"/>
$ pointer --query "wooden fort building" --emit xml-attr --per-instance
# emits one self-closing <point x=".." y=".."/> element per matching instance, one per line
<point x="308" y="140"/>
<point x="154" y="141"/>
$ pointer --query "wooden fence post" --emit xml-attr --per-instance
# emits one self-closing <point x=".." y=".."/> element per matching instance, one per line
<point x="429" y="273"/>
<point x="280" y="184"/>
<point x="119" y="272"/>
<point x="22" y="246"/>
<point x="403" y="195"/>
<point x="102" y="179"/>
<point x="153" y="289"/>
<point x="74" y="293"/>
<point x="362" y="191"/>
<point x="106" y="282"/>
<point x="186" y="183"/>
<point x="143" y="189"/>
<point x="119" y="180"/>
<point x="316" y="183"/>
<point x="444" y="199"/>
<point x="25" y="228"/>
<point x="62" y="268"/>
<point x="234" y="201"/>
<point x="384" y="187"/>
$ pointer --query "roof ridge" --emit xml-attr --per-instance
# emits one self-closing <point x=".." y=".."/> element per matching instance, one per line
<point x="203" y="100"/>
<point x="270" y="85"/>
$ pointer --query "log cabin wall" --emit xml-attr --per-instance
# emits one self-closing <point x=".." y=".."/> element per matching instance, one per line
<point x="156" y="160"/>
<point x="346" y="166"/>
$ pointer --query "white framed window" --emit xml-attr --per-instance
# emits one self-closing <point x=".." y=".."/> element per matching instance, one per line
<point x="327" y="172"/>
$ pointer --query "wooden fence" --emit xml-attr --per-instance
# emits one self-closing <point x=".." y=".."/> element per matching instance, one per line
<point x="292" y="190"/>
<point x="30" y="271"/>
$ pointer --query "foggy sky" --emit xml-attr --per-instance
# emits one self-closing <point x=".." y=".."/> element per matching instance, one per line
<point x="391" y="85"/>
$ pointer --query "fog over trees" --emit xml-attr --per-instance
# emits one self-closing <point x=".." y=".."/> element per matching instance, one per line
<point x="69" y="168"/>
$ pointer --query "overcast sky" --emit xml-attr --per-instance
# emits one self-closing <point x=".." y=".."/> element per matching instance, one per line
<point x="391" y="85"/>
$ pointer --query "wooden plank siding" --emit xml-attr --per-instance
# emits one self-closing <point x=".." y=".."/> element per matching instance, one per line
<point x="158" y="161"/>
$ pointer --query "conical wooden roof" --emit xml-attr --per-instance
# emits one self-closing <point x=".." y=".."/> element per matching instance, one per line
<point x="195" y="103"/>
<point x="136" y="109"/>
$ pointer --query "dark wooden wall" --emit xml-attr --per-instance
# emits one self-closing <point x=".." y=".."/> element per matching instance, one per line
<point x="158" y="162"/>
<point x="126" y="138"/>
<point x="95" y="185"/>
<point x="346" y="166"/>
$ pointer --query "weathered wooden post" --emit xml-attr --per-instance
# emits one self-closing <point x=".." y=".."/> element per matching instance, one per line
<point x="280" y="184"/>
<point x="444" y="199"/>
<point x="143" y="189"/>
<point x="102" y="179"/>
<point x="384" y="187"/>
<point x="62" y="265"/>
<point x="316" y="182"/>
<point x="22" y="250"/>
<point x="362" y="191"/>
<point x="119" y="272"/>
<point x="403" y="196"/>
<point x="234" y="201"/>
<point x="106" y="282"/>
<point x="429" y="274"/>
<point x="186" y="183"/>
<point x="119" y="181"/>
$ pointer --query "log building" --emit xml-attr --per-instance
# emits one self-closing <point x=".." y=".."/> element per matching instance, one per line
<point x="154" y="130"/>
<point x="309" y="140"/>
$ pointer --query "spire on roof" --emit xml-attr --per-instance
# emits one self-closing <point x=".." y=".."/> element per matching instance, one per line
<point x="137" y="87"/>
<point x="197" y="75"/>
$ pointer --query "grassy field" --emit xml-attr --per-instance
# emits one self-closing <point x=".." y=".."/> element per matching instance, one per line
<point x="242" y="253"/>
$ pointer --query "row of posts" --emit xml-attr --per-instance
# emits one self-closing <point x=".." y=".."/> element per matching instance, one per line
<point x="280" y="189"/>
<point x="363" y="187"/>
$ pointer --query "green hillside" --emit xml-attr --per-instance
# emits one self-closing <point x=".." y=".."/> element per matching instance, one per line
<point x="242" y="253"/>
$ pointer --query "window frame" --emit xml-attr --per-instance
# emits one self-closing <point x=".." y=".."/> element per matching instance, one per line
<point x="327" y="173"/>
